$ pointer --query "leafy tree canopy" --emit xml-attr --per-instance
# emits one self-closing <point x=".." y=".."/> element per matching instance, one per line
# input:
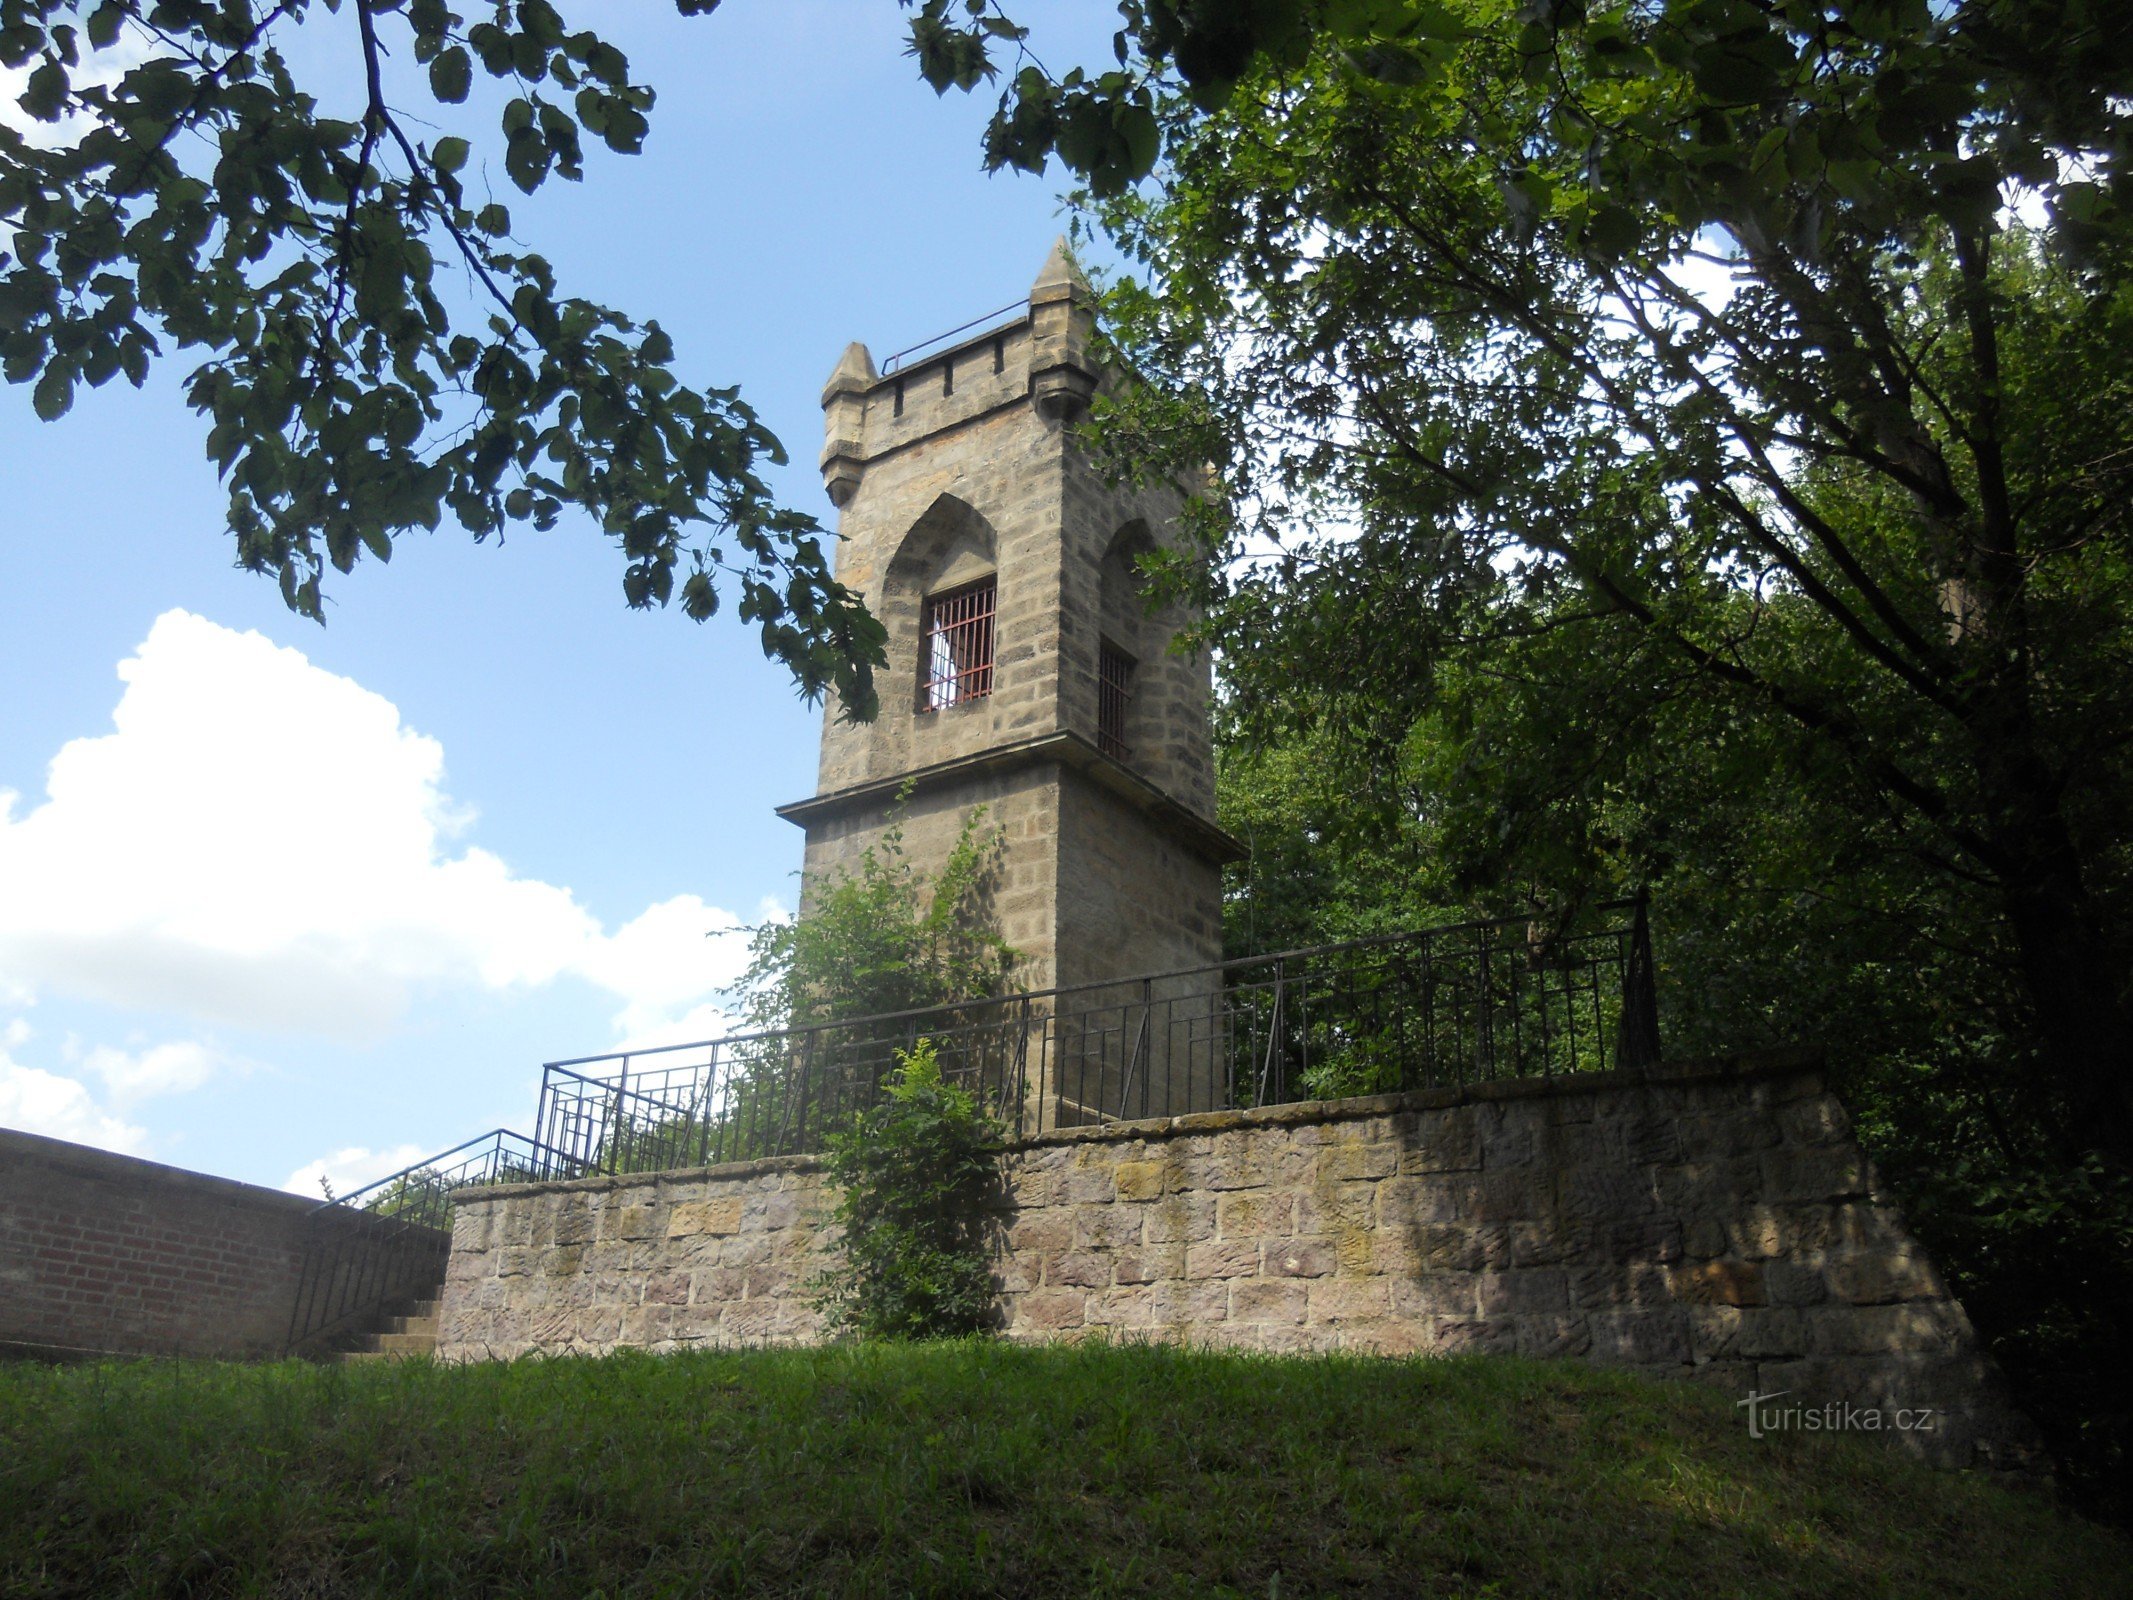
<point x="1684" y="348"/>
<point x="1685" y="442"/>
<point x="376" y="352"/>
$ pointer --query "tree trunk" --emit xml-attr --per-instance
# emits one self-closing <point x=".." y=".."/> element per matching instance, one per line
<point x="2070" y="967"/>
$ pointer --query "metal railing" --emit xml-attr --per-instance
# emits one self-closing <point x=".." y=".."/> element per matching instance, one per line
<point x="1013" y="311"/>
<point x="1459" y="1004"/>
<point x="389" y="1241"/>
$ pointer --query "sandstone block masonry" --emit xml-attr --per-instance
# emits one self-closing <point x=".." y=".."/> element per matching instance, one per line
<point x="1714" y="1222"/>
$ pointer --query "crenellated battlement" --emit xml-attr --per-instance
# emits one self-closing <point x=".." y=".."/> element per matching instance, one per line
<point x="1044" y="359"/>
<point x="868" y="415"/>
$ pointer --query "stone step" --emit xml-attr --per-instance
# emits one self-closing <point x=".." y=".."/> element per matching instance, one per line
<point x="403" y="1329"/>
<point x="390" y="1347"/>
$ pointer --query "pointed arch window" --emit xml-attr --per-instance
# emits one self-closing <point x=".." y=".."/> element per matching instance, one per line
<point x="956" y="645"/>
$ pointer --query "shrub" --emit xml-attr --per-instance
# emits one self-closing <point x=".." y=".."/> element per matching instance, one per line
<point x="919" y="1173"/>
<point x="880" y="938"/>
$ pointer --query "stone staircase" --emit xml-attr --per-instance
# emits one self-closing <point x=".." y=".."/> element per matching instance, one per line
<point x="404" y="1328"/>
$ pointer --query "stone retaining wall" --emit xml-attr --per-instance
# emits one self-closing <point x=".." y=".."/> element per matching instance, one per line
<point x="1714" y="1221"/>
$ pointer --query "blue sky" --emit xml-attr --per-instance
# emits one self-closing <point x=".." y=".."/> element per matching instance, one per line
<point x="278" y="899"/>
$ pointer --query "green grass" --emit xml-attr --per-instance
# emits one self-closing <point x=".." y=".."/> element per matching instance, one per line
<point x="977" y="1469"/>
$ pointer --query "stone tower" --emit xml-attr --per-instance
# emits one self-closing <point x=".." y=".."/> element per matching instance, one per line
<point x="1025" y="672"/>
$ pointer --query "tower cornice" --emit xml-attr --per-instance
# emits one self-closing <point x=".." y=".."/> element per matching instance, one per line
<point x="1063" y="748"/>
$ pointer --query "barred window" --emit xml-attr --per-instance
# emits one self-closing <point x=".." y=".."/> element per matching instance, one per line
<point x="955" y="646"/>
<point x="1114" y="680"/>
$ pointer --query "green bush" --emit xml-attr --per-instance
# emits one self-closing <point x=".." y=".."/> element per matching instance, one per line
<point x="881" y="938"/>
<point x="919" y="1174"/>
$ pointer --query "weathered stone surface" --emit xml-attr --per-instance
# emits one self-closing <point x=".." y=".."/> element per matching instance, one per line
<point x="1222" y="1258"/>
<point x="1459" y="1336"/>
<point x="1333" y="1300"/>
<point x="1150" y="1264"/>
<point x="1519" y="1293"/>
<point x="959" y="468"/>
<point x="1038" y="1231"/>
<point x="1082" y="1269"/>
<point x="1899" y="1272"/>
<point x="1330" y="1208"/>
<point x="1640" y="1337"/>
<point x="720" y="1216"/>
<point x="1051" y="1308"/>
<point x="1107" y="1227"/>
<point x="1181" y="1219"/>
<point x="1725" y="1283"/>
<point x="574" y="1222"/>
<point x="1741" y="1248"/>
<point x="1140" y="1180"/>
<point x="1439" y="1294"/>
<point x="1265" y="1300"/>
<point x="1299" y="1258"/>
<point x="1554" y="1335"/>
<point x="1254" y="1216"/>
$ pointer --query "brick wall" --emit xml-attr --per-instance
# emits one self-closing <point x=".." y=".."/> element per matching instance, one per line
<point x="1713" y="1222"/>
<point x="106" y="1253"/>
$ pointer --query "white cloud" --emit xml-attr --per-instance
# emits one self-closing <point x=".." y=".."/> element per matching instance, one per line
<point x="158" y="1069"/>
<point x="665" y="962"/>
<point x="99" y="69"/>
<point x="36" y="1101"/>
<point x="264" y="843"/>
<point x="66" y="1107"/>
<point x="351" y="1169"/>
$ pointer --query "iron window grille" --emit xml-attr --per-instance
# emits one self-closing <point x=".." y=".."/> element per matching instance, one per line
<point x="1114" y="685"/>
<point x="955" y="646"/>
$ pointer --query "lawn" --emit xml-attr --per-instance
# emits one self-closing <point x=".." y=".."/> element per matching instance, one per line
<point x="977" y="1469"/>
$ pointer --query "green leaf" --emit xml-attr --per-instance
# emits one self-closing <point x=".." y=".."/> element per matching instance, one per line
<point x="46" y="94"/>
<point x="1401" y="65"/>
<point x="450" y="154"/>
<point x="526" y="159"/>
<point x="54" y="394"/>
<point x="104" y="24"/>
<point x="452" y="75"/>
<point x="1732" y="76"/>
<point x="1142" y="138"/>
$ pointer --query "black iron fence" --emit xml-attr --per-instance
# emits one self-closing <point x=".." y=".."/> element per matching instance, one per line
<point x="389" y="1242"/>
<point x="1451" y="1005"/>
